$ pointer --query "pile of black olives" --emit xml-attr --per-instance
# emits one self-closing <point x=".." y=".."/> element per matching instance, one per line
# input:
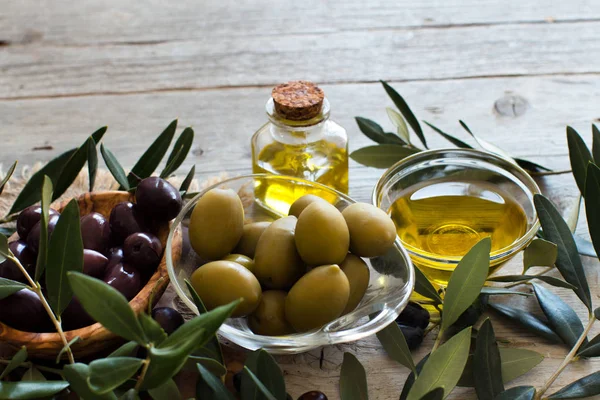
<point x="412" y="321"/>
<point x="121" y="249"/>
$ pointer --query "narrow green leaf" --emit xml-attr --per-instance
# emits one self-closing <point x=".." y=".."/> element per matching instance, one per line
<point x="209" y="363"/>
<point x="457" y="142"/>
<point x="580" y="157"/>
<point x="530" y="166"/>
<point x="425" y="288"/>
<point x="573" y="217"/>
<point x="584" y="247"/>
<point x="185" y="185"/>
<point x="592" y="200"/>
<point x="108" y="374"/>
<point x="561" y="317"/>
<point x="353" y="379"/>
<point x="410" y="380"/>
<point x="406" y="112"/>
<point x="42" y="257"/>
<point x="527" y="320"/>
<point x="587" y="386"/>
<point x="375" y="132"/>
<point x="126" y="350"/>
<point x="179" y="153"/>
<point x="443" y="367"/>
<point x="152" y="157"/>
<point x="596" y="144"/>
<point x="72" y="169"/>
<point x="591" y="349"/>
<point x="30" y="390"/>
<point x="107" y="306"/>
<point x="265" y="392"/>
<point x="517" y="393"/>
<point x="114" y="167"/>
<point x="92" y="159"/>
<point x="399" y="123"/>
<point x="6" y="178"/>
<point x="67" y="346"/>
<point x="4" y="250"/>
<point x="568" y="261"/>
<point x="394" y="343"/>
<point x="8" y="287"/>
<point x="210" y="387"/>
<point x="7" y="231"/>
<point x="487" y="363"/>
<point x="152" y="329"/>
<point x="381" y="156"/>
<point x="33" y="375"/>
<point x="466" y="282"/>
<point x="65" y="254"/>
<point x="270" y="374"/>
<point x="435" y="394"/>
<point x="490" y="290"/>
<point x="15" y="362"/>
<point x="522" y="278"/>
<point x="539" y="253"/>
<point x="487" y="146"/>
<point x="597" y="313"/>
<point x="99" y="134"/>
<point x="167" y="390"/>
<point x="31" y="192"/>
<point x="77" y="374"/>
<point x="249" y="390"/>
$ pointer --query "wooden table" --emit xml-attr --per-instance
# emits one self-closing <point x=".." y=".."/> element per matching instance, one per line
<point x="516" y="71"/>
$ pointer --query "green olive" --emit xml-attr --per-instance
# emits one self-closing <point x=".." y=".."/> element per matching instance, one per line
<point x="269" y="317"/>
<point x="249" y="239"/>
<point x="217" y="223"/>
<point x="220" y="282"/>
<point x="300" y="204"/>
<point x="277" y="264"/>
<point x="357" y="272"/>
<point x="241" y="259"/>
<point x="322" y="235"/>
<point x="372" y="231"/>
<point x="317" y="298"/>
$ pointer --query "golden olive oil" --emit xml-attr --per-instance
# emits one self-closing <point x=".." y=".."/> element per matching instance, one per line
<point x="444" y="219"/>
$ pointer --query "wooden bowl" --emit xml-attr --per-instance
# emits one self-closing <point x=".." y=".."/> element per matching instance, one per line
<point x="94" y="338"/>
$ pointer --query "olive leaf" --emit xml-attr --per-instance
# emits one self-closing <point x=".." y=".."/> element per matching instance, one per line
<point x="6" y="178"/>
<point x="596" y="144"/>
<point x="443" y="367"/>
<point x="99" y="134"/>
<point x="154" y="332"/>
<point x="262" y="364"/>
<point x="491" y="290"/>
<point x="8" y="287"/>
<point x="457" y="142"/>
<point x="78" y="374"/>
<point x="30" y="390"/>
<point x="381" y="156"/>
<point x="561" y="317"/>
<point x="264" y="391"/>
<point x="353" y="379"/>
<point x="31" y="192"/>
<point x="410" y="380"/>
<point x="466" y="282"/>
<point x="209" y="387"/>
<point x="92" y="157"/>
<point x="126" y="350"/>
<point x="67" y="347"/>
<point x="33" y="375"/>
<point x="568" y="261"/>
<point x="4" y="250"/>
<point x="210" y="364"/>
<point x="375" y="132"/>
<point x="107" y="306"/>
<point x="580" y="157"/>
<point x="394" y="343"/>
<point x="590" y="349"/>
<point x="487" y="371"/>
<point x="584" y="247"/>
<point x="15" y="362"/>
<point x="592" y="199"/>
<point x="152" y="157"/>
<point x="529" y="321"/>
<point x="114" y="167"/>
<point x="539" y="253"/>
<point x="425" y="288"/>
<point x="399" y="123"/>
<point x="107" y="374"/>
<point x="487" y="145"/>
<point x="585" y="387"/>
<point x="406" y="112"/>
<point x="167" y="390"/>
<point x="185" y="185"/>
<point x="573" y="217"/>
<point x="182" y="147"/>
<point x="72" y="168"/>
<point x="524" y="278"/>
<point x="517" y="393"/>
<point x="65" y="254"/>
<point x="530" y="165"/>
<point x="435" y="394"/>
<point x="42" y="257"/>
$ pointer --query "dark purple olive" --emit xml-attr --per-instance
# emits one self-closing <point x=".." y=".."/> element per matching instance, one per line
<point x="10" y="270"/>
<point x="237" y="381"/>
<point x="29" y="217"/>
<point x="33" y="239"/>
<point x="94" y="263"/>
<point x="114" y="255"/>
<point x="24" y="311"/>
<point x="125" y="219"/>
<point x="158" y="199"/>
<point x="313" y="395"/>
<point x="168" y="318"/>
<point x="414" y="315"/>
<point x="143" y="250"/>
<point x="125" y="279"/>
<point x="95" y="232"/>
<point x="413" y="335"/>
<point x="75" y="316"/>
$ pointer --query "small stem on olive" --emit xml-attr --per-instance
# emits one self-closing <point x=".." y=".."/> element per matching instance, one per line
<point x="438" y="339"/>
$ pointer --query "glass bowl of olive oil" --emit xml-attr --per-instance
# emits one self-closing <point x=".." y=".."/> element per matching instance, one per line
<point x="444" y="201"/>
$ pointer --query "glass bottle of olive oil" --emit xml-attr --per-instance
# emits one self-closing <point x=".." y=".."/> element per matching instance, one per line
<point x="300" y="141"/>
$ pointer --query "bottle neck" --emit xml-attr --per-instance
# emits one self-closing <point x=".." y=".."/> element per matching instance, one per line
<point x="297" y="132"/>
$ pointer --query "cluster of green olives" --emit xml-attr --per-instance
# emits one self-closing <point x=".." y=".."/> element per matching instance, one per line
<point x="294" y="274"/>
<point x="122" y="250"/>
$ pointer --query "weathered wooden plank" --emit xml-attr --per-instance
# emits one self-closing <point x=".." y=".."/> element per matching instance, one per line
<point x="341" y="56"/>
<point x="111" y="21"/>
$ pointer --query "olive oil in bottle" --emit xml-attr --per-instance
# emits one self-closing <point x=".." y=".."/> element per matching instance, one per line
<point x="299" y="141"/>
<point x="444" y="219"/>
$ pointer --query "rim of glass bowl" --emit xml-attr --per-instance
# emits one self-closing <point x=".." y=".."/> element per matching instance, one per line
<point x="502" y="166"/>
<point x="300" y="342"/>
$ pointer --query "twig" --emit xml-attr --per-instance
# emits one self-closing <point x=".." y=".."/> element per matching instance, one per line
<point x="433" y="325"/>
<point x="142" y="376"/>
<point x="546" y="173"/>
<point x="438" y="339"/>
<point x="545" y="271"/>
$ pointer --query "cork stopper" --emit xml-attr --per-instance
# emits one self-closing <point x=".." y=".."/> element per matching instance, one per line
<point x="298" y="100"/>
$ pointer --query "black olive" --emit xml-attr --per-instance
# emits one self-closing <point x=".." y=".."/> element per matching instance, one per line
<point x="158" y="199"/>
<point x="10" y="270"/>
<point x="125" y="279"/>
<point x="237" y="381"/>
<point x="313" y="395"/>
<point x="24" y="311"/>
<point x="143" y="250"/>
<point x="29" y="217"/>
<point x="75" y="316"/>
<point x="125" y="219"/>
<point x="33" y="238"/>
<point x="413" y="335"/>
<point x="95" y="232"/>
<point x="94" y="263"/>
<point x="414" y="315"/>
<point x="168" y="318"/>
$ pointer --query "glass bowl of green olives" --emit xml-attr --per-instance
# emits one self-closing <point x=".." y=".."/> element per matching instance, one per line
<point x="313" y="266"/>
